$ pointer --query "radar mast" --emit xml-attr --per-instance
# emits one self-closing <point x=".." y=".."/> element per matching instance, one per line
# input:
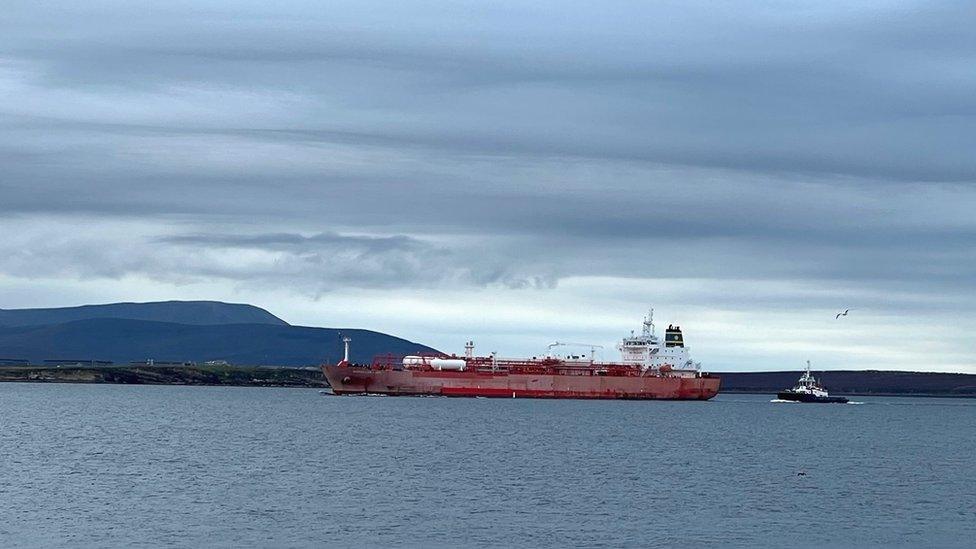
<point x="649" y="323"/>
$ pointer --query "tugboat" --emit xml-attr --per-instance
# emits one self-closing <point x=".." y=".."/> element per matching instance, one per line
<point x="808" y="389"/>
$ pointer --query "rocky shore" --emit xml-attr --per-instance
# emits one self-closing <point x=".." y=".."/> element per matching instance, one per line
<point x="165" y="375"/>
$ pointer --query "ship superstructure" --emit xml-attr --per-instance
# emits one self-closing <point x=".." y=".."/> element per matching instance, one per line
<point x="647" y="370"/>
<point x="645" y="350"/>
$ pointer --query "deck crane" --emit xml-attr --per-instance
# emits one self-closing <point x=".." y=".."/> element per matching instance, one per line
<point x="592" y="347"/>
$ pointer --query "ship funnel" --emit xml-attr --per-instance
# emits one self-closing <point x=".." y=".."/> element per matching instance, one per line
<point x="673" y="337"/>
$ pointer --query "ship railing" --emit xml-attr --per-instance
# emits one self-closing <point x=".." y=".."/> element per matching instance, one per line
<point x="391" y="361"/>
<point x="387" y="361"/>
<point x="554" y="367"/>
<point x="508" y="365"/>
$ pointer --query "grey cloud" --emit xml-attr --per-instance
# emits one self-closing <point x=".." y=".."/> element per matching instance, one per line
<point x="539" y="217"/>
<point x="865" y="92"/>
<point x="322" y="261"/>
<point x="322" y="147"/>
<point x="291" y="241"/>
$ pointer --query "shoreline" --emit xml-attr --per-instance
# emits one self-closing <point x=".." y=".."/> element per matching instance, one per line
<point x="215" y="376"/>
<point x="256" y="376"/>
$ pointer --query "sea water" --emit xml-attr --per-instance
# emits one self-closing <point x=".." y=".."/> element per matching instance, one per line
<point x="113" y="466"/>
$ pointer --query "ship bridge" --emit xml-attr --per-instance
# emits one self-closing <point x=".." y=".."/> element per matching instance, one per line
<point x="645" y="350"/>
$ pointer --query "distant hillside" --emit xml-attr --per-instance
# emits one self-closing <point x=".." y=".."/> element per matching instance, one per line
<point x="856" y="382"/>
<point x="124" y="340"/>
<point x="181" y="312"/>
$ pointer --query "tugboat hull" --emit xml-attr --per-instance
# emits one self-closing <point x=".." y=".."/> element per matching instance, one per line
<point x="804" y="397"/>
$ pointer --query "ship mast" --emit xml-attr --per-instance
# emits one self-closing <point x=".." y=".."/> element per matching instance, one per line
<point x="808" y="378"/>
<point x="649" y="323"/>
<point x="648" y="337"/>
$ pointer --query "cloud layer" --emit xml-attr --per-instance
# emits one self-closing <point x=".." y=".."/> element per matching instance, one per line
<point x="796" y="156"/>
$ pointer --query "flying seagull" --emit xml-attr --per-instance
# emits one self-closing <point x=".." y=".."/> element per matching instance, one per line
<point x="842" y="314"/>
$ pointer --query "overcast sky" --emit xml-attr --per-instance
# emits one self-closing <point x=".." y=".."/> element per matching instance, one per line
<point x="511" y="172"/>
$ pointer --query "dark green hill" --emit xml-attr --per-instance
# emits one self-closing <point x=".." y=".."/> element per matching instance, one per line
<point x="180" y="312"/>
<point x="125" y="340"/>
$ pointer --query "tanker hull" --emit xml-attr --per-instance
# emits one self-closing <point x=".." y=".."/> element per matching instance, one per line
<point x="347" y="380"/>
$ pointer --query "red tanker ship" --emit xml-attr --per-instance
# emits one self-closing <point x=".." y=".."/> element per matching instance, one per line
<point x="647" y="370"/>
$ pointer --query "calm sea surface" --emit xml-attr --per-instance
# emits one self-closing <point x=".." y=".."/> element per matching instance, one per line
<point x="103" y="465"/>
